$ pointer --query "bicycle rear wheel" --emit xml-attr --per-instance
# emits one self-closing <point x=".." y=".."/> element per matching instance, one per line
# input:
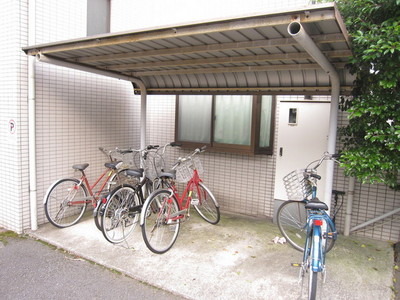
<point x="65" y="202"/>
<point x="312" y="285"/>
<point x="207" y="206"/>
<point x="121" y="214"/>
<point x="160" y="221"/>
<point x="292" y="221"/>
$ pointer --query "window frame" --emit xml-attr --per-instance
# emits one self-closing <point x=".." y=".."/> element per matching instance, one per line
<point x="251" y="149"/>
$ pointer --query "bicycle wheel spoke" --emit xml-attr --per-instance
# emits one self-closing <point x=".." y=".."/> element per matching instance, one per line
<point x="291" y="219"/>
<point x="158" y="230"/>
<point x="65" y="203"/>
<point x="205" y="204"/>
<point x="117" y="220"/>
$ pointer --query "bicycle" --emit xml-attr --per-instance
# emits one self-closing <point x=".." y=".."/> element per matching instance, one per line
<point x="66" y="200"/>
<point x="165" y="209"/>
<point x="121" y="209"/>
<point x="305" y="223"/>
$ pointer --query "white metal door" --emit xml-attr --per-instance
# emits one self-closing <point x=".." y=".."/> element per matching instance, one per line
<point x="302" y="138"/>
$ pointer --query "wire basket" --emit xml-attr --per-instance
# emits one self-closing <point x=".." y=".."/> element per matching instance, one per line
<point x="185" y="170"/>
<point x="126" y="158"/>
<point x="297" y="188"/>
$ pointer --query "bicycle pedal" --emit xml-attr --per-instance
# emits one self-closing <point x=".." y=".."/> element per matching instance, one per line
<point x="297" y="265"/>
<point x="330" y="235"/>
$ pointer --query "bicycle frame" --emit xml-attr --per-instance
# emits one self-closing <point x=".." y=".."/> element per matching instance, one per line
<point x="186" y="195"/>
<point x="315" y="238"/>
<point x="93" y="195"/>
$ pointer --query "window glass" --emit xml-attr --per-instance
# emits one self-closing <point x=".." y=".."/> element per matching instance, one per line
<point x="266" y="121"/>
<point x="233" y="119"/>
<point x="194" y="118"/>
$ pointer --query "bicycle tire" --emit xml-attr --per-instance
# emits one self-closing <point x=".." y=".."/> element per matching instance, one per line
<point x="57" y="204"/>
<point x="117" y="179"/>
<point x="118" y="220"/>
<point x="160" y="233"/>
<point x="207" y="206"/>
<point x="312" y="285"/>
<point x="292" y="220"/>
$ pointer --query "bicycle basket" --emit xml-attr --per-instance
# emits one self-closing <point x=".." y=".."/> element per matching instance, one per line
<point x="126" y="158"/>
<point x="297" y="188"/>
<point x="185" y="170"/>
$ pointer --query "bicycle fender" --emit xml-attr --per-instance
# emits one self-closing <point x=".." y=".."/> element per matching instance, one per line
<point x="146" y="203"/>
<point x="52" y="186"/>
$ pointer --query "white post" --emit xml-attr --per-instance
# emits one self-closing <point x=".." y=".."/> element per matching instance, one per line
<point x="32" y="117"/>
<point x="297" y="31"/>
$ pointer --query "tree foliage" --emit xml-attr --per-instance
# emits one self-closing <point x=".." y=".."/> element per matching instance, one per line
<point x="372" y="138"/>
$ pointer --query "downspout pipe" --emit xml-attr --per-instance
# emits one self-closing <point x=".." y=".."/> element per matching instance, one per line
<point x="296" y="30"/>
<point x="349" y="206"/>
<point x="32" y="118"/>
<point x="135" y="81"/>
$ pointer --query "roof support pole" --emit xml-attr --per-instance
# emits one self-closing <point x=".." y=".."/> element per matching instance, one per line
<point x="32" y="117"/>
<point x="297" y="31"/>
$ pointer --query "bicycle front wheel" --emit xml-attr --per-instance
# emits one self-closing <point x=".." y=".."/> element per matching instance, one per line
<point x="121" y="214"/>
<point x="65" y="202"/>
<point x="292" y="221"/>
<point x="160" y="221"/>
<point x="205" y="204"/>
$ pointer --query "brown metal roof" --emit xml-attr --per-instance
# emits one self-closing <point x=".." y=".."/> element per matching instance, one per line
<point x="249" y="54"/>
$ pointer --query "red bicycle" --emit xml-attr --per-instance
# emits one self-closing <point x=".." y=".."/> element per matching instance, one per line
<point x="66" y="199"/>
<point x="165" y="210"/>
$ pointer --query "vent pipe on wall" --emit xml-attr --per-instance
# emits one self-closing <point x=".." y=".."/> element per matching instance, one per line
<point x="297" y="31"/>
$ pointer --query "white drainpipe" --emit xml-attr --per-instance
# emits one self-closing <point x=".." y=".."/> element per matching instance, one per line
<point x="349" y="206"/>
<point x="32" y="117"/>
<point x="297" y="31"/>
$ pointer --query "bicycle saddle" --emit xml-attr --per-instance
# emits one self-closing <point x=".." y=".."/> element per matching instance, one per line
<point x="80" y="167"/>
<point x="112" y="165"/>
<point x="168" y="174"/>
<point x="316" y="204"/>
<point x="135" y="173"/>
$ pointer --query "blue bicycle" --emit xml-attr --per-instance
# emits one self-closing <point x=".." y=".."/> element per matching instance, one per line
<point x="305" y="224"/>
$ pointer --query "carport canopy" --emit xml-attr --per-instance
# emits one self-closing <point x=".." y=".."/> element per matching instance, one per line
<point x="244" y="55"/>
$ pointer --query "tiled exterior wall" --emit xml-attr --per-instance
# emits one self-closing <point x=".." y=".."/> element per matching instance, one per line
<point x="370" y="201"/>
<point x="77" y="112"/>
<point x="244" y="184"/>
<point x="154" y="13"/>
<point x="13" y="146"/>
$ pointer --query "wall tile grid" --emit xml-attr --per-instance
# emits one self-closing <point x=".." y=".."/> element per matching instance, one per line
<point x="13" y="147"/>
<point x="76" y="112"/>
<point x="241" y="184"/>
<point x="80" y="112"/>
<point x="370" y="201"/>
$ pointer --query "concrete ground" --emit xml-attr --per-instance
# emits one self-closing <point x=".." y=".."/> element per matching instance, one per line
<point x="235" y="259"/>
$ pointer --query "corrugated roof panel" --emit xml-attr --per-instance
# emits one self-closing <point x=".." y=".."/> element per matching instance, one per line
<point x="253" y="53"/>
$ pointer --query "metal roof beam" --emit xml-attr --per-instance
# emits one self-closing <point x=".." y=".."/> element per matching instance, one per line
<point x="235" y="69"/>
<point x="244" y="23"/>
<point x="265" y="43"/>
<point x="272" y="90"/>
<point x="223" y="60"/>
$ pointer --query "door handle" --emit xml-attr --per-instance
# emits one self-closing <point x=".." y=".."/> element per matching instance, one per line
<point x="280" y="151"/>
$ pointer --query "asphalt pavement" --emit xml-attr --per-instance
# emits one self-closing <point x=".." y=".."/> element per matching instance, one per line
<point x="30" y="269"/>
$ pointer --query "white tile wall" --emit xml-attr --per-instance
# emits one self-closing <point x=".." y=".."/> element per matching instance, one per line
<point x="77" y="112"/>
